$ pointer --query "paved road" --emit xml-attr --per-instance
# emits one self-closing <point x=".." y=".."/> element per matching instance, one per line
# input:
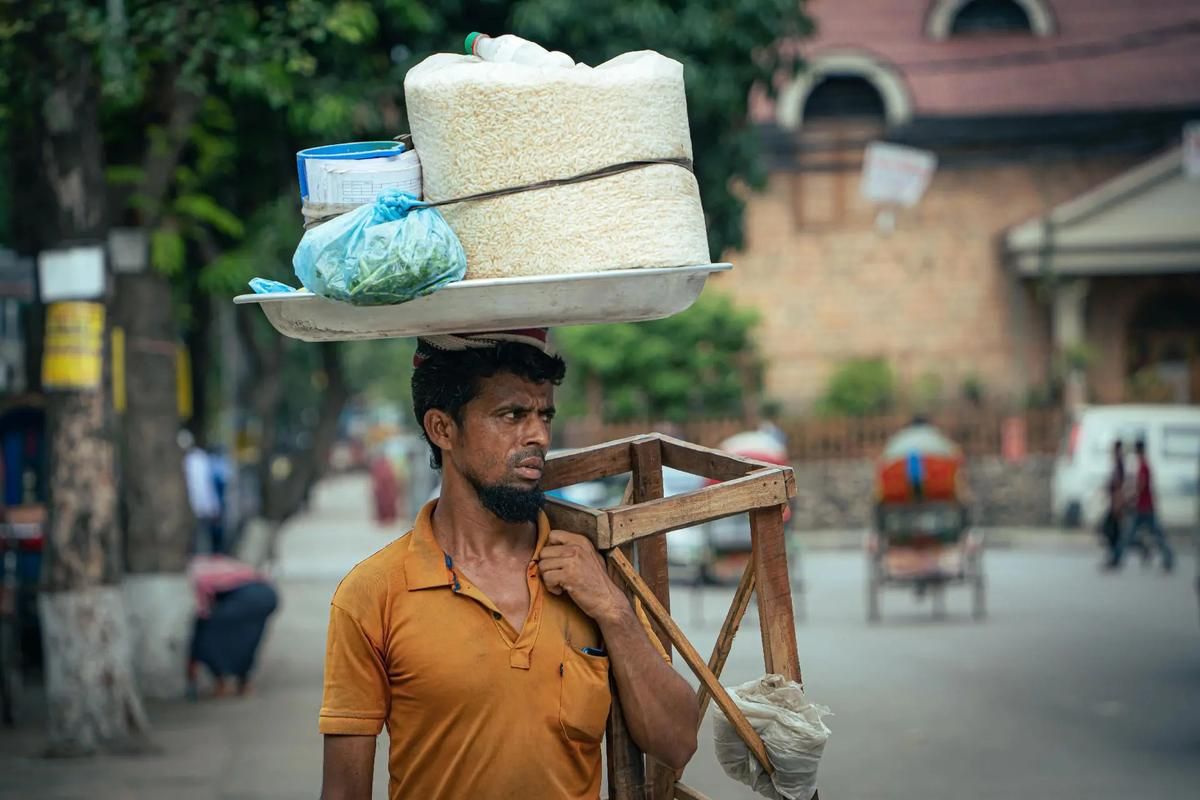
<point x="1079" y="685"/>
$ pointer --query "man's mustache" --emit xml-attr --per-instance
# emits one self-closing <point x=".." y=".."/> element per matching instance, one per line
<point x="525" y="455"/>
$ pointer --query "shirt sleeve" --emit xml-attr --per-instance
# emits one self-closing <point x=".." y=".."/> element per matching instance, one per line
<point x="357" y="696"/>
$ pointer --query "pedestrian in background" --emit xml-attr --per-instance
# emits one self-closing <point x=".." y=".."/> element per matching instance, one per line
<point x="233" y="604"/>
<point x="202" y="494"/>
<point x="1112" y="527"/>
<point x="385" y="489"/>
<point x="1144" y="515"/>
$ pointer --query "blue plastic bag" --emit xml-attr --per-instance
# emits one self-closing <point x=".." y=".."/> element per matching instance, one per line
<point x="390" y="251"/>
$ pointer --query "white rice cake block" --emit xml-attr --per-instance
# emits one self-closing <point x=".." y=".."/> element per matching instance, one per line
<point x="481" y="126"/>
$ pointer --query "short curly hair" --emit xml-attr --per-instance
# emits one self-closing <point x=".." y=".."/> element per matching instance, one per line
<point x="448" y="380"/>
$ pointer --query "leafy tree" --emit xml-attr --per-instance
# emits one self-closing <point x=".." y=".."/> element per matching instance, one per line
<point x="858" y="388"/>
<point x="689" y="365"/>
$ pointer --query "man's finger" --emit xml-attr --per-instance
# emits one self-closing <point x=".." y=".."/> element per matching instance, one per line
<point x="554" y="580"/>
<point x="557" y="551"/>
<point x="547" y="564"/>
<point x="566" y="537"/>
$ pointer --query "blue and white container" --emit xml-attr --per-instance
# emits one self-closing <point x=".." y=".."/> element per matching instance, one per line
<point x="356" y="172"/>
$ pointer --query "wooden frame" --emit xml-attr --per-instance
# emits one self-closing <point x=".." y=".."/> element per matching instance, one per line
<point x="637" y="526"/>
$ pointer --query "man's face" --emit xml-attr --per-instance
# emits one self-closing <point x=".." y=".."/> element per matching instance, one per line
<point x="500" y="445"/>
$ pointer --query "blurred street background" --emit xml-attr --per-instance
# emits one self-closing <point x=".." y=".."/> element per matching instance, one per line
<point x="1078" y="685"/>
<point x="982" y="216"/>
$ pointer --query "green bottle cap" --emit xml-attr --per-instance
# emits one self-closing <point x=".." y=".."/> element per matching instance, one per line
<point x="469" y="42"/>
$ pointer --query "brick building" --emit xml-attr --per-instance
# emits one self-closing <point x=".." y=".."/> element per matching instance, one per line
<point x="1058" y="244"/>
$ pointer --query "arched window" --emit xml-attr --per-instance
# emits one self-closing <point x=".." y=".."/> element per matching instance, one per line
<point x="842" y="101"/>
<point x="981" y="17"/>
<point x="990" y="16"/>
<point x="844" y="97"/>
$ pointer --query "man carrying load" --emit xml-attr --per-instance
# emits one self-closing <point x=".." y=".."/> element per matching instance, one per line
<point x="483" y="639"/>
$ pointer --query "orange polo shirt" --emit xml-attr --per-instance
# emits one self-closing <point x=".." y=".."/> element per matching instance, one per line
<point x="472" y="708"/>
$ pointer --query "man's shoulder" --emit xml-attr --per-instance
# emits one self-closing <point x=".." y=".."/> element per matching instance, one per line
<point x="375" y="577"/>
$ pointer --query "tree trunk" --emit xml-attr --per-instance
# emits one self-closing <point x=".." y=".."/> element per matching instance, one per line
<point x="93" y="699"/>
<point x="282" y="497"/>
<point x="159" y="522"/>
<point x="90" y="688"/>
<point x="199" y="342"/>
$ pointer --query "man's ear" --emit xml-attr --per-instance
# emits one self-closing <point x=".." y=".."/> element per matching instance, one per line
<point x="441" y="429"/>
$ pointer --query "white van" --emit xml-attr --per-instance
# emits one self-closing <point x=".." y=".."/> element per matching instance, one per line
<point x="1172" y="437"/>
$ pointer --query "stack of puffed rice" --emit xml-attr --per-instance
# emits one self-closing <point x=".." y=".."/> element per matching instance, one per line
<point x="482" y="126"/>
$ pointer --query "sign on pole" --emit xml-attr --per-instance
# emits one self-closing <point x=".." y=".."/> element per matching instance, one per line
<point x="74" y="346"/>
<point x="73" y="273"/>
<point x="896" y="175"/>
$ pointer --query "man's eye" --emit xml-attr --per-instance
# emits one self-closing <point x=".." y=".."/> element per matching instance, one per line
<point x="511" y="416"/>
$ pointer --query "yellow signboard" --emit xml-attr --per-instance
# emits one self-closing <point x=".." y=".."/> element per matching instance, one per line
<point x="74" y="346"/>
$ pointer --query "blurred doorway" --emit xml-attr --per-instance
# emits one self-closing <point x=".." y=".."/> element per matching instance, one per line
<point x="1164" y="348"/>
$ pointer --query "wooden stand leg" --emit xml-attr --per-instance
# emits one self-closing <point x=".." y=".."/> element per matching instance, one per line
<point x="646" y="461"/>
<point x="626" y="764"/>
<point x="774" y="592"/>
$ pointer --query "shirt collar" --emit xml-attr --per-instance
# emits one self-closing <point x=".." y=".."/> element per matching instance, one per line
<point x="427" y="565"/>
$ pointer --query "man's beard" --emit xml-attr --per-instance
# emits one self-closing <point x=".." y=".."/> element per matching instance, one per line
<point x="509" y="503"/>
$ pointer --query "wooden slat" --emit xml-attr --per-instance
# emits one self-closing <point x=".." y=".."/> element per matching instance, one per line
<point x="626" y="764"/>
<point x="647" y="484"/>
<point x="683" y="792"/>
<point x="737" y="610"/>
<point x="774" y="593"/>
<point x="590" y="522"/>
<point x="707" y="462"/>
<point x="734" y="714"/>
<point x="588" y="464"/>
<point x="758" y="490"/>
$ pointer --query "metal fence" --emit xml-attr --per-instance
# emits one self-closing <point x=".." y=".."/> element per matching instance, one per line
<point x="980" y="432"/>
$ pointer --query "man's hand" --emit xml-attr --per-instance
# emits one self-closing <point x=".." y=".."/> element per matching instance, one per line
<point x="660" y="707"/>
<point x="569" y="562"/>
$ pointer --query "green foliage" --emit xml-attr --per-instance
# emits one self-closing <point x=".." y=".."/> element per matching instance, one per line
<point x="167" y="251"/>
<point x="1076" y="357"/>
<point x="858" y="388"/>
<point x="684" y="366"/>
<point x="201" y="208"/>
<point x="927" y="391"/>
<point x="381" y="369"/>
<point x="973" y="390"/>
<point x="265" y="252"/>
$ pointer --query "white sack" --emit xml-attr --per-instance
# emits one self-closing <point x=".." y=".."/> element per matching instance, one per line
<point x="481" y="126"/>
<point x="790" y="727"/>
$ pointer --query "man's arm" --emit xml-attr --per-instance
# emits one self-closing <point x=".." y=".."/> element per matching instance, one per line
<point x="356" y="698"/>
<point x="349" y="767"/>
<point x="659" y="706"/>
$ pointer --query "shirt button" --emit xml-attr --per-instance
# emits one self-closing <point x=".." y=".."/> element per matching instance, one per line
<point x="496" y="615"/>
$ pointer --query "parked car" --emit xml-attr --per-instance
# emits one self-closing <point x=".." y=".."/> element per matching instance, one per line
<point x="1172" y="437"/>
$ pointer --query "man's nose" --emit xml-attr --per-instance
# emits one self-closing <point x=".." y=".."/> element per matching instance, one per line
<point x="537" y="432"/>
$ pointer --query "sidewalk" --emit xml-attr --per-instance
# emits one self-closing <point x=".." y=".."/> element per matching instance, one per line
<point x="264" y="746"/>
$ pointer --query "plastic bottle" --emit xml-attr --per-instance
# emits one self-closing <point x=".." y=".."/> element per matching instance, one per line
<point x="514" y="49"/>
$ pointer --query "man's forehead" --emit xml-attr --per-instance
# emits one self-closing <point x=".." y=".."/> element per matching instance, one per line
<point x="505" y="387"/>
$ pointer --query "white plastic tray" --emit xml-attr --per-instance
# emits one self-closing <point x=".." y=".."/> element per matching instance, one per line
<point x="471" y="306"/>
